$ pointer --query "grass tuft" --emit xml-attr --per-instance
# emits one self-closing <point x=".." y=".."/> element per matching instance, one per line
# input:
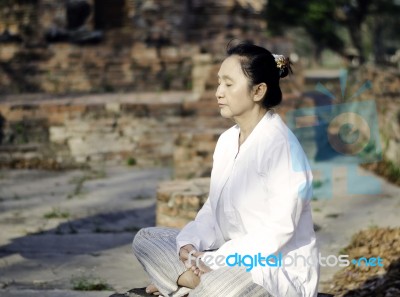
<point x="89" y="283"/>
<point x="56" y="213"/>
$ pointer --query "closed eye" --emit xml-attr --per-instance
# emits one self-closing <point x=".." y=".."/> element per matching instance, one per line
<point x="225" y="78"/>
<point x="228" y="84"/>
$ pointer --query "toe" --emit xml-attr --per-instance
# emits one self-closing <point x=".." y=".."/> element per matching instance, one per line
<point x="151" y="289"/>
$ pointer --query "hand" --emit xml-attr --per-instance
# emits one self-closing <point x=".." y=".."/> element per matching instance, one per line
<point x="201" y="268"/>
<point x="184" y="252"/>
<point x="196" y="265"/>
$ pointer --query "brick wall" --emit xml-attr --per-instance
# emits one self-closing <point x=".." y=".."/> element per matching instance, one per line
<point x="179" y="201"/>
<point x="75" y="130"/>
<point x="146" y="45"/>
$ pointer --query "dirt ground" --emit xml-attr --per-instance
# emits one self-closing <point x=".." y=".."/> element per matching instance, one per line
<point x="65" y="231"/>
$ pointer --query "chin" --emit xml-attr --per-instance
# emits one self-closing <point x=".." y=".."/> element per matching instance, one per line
<point x="224" y="114"/>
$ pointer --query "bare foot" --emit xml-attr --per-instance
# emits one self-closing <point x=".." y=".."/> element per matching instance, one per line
<point x="188" y="279"/>
<point x="151" y="289"/>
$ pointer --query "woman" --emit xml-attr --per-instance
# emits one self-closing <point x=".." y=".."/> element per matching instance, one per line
<point x="261" y="185"/>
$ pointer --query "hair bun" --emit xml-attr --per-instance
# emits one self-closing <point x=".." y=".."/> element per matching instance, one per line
<point x="283" y="64"/>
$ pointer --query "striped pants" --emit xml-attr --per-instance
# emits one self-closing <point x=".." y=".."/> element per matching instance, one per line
<point x="155" y="248"/>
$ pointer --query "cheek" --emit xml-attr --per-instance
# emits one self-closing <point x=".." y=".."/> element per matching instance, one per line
<point x="235" y="93"/>
<point x="237" y="96"/>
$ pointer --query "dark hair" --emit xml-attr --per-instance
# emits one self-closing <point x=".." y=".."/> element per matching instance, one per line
<point x="259" y="65"/>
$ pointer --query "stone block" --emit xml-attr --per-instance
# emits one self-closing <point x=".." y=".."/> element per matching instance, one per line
<point x="78" y="147"/>
<point x="188" y="214"/>
<point x="181" y="200"/>
<point x="164" y="208"/>
<point x="143" y="55"/>
<point x="58" y="134"/>
<point x="192" y="201"/>
<point x="173" y="222"/>
<point x="170" y="53"/>
<point x="8" y="51"/>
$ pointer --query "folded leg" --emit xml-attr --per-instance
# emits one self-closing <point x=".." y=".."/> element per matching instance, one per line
<point x="228" y="282"/>
<point x="155" y="248"/>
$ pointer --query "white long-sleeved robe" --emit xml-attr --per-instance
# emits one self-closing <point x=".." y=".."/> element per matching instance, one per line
<point x="267" y="205"/>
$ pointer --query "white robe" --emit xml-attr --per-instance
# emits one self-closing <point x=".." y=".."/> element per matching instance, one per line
<point x="267" y="205"/>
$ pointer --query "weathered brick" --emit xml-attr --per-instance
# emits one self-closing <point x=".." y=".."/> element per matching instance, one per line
<point x="173" y="222"/>
<point x="165" y="209"/>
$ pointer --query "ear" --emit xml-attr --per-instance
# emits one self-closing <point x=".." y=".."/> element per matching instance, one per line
<point x="259" y="91"/>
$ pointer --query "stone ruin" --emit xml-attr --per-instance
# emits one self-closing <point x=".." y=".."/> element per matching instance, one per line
<point x="141" y="74"/>
<point x="81" y="46"/>
<point x="145" y="50"/>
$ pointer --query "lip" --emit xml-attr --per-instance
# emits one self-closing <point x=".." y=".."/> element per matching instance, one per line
<point x="220" y="104"/>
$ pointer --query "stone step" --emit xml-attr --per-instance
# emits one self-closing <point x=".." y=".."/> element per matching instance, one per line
<point x="20" y="148"/>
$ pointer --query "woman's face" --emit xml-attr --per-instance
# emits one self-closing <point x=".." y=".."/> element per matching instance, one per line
<point x="234" y="98"/>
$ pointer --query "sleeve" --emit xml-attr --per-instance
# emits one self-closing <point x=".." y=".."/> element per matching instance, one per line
<point x="287" y="189"/>
<point x="201" y="232"/>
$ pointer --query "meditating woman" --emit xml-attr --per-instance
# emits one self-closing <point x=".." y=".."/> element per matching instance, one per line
<point x="254" y="235"/>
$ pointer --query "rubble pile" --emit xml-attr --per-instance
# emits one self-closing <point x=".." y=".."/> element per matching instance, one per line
<point x="370" y="281"/>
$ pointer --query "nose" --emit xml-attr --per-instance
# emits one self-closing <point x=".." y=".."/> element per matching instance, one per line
<point x="219" y="92"/>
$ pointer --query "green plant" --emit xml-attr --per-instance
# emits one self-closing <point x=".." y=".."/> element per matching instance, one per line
<point x="369" y="152"/>
<point x="20" y="132"/>
<point x="56" y="213"/>
<point x="79" y="181"/>
<point x="190" y="175"/>
<point x="89" y="283"/>
<point x="332" y="215"/>
<point x="131" y="161"/>
<point x="78" y="187"/>
<point x="393" y="171"/>
<point x="96" y="174"/>
<point x="189" y="85"/>
<point x="317" y="184"/>
<point x="398" y="117"/>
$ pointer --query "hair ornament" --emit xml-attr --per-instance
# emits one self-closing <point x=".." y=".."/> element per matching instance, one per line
<point x="281" y="62"/>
